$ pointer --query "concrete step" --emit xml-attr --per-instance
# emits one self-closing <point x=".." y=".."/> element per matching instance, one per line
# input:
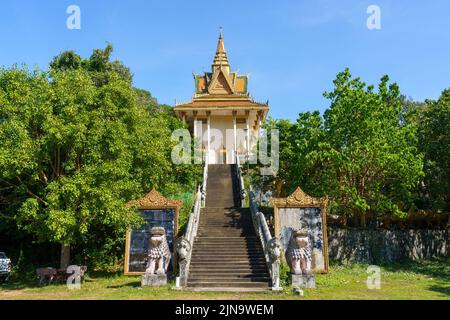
<point x="195" y="274"/>
<point x="224" y="270"/>
<point x="226" y="289"/>
<point x="229" y="279"/>
<point x="224" y="240"/>
<point x="224" y="233"/>
<point x="228" y="254"/>
<point x="226" y="251"/>
<point x="250" y="237"/>
<point x="217" y="284"/>
<point x="234" y="243"/>
<point x="222" y="264"/>
<point x="226" y="260"/>
<point x="224" y="245"/>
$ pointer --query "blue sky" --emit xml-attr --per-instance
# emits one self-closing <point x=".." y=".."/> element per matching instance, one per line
<point x="291" y="50"/>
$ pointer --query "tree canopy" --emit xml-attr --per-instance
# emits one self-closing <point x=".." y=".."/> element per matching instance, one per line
<point x="78" y="142"/>
<point x="359" y="153"/>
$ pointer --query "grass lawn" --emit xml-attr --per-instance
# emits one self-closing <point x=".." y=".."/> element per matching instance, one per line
<point x="414" y="280"/>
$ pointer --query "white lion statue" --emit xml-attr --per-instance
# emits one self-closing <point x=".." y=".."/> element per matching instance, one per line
<point x="159" y="253"/>
<point x="298" y="254"/>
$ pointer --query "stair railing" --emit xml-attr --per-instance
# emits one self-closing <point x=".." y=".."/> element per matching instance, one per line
<point x="185" y="244"/>
<point x="205" y="178"/>
<point x="271" y="245"/>
<point x="242" y="191"/>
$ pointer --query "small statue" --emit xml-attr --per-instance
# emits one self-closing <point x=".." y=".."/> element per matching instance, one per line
<point x="274" y="249"/>
<point x="298" y="254"/>
<point x="159" y="253"/>
<point x="183" y="247"/>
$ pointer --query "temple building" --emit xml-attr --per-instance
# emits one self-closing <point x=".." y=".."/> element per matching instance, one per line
<point x="222" y="114"/>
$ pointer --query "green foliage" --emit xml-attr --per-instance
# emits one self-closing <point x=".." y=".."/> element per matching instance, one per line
<point x="99" y="65"/>
<point x="360" y="153"/>
<point x="66" y="60"/>
<point x="79" y="142"/>
<point x="434" y="141"/>
<point x="285" y="275"/>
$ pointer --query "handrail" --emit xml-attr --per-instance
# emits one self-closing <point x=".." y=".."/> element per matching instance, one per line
<point x="242" y="191"/>
<point x="185" y="244"/>
<point x="205" y="178"/>
<point x="271" y="245"/>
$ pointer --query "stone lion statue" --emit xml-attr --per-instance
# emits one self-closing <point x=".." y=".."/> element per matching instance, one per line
<point x="159" y="253"/>
<point x="274" y="249"/>
<point x="183" y="247"/>
<point x="298" y="253"/>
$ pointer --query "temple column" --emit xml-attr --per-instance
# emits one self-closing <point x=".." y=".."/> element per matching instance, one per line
<point x="247" y="116"/>
<point x="259" y="124"/>
<point x="195" y="124"/>
<point x="208" y="113"/>
<point x="234" y="134"/>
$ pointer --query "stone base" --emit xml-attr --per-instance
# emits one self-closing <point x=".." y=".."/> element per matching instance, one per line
<point x="303" y="281"/>
<point x="153" y="280"/>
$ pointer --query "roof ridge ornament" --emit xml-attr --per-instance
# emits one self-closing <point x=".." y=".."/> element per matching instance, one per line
<point x="220" y="58"/>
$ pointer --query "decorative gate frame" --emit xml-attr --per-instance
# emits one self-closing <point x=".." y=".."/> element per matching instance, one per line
<point x="299" y="199"/>
<point x="153" y="201"/>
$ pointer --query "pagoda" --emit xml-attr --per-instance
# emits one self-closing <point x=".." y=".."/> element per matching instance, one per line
<point x="222" y="114"/>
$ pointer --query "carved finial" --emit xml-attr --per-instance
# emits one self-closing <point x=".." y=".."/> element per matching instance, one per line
<point x="220" y="59"/>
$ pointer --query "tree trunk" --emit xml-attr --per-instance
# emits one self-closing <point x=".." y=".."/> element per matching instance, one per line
<point x="355" y="219"/>
<point x="65" y="256"/>
<point x="363" y="220"/>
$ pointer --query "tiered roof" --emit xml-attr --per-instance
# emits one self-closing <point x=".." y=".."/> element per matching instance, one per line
<point x="221" y="88"/>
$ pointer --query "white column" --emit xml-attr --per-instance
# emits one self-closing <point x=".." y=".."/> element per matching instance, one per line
<point x="247" y="113"/>
<point x="209" y="133"/>
<point x="234" y="135"/>
<point x="195" y="124"/>
<point x="259" y="124"/>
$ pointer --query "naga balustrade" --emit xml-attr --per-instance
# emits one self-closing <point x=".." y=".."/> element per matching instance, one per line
<point x="271" y="245"/>
<point x="184" y="244"/>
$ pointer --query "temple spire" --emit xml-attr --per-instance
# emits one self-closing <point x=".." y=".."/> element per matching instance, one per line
<point x="221" y="59"/>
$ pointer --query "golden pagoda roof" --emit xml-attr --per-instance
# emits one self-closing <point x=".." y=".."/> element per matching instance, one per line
<point x="221" y="88"/>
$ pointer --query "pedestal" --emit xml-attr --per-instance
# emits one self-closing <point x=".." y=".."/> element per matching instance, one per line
<point x="304" y="281"/>
<point x="153" y="280"/>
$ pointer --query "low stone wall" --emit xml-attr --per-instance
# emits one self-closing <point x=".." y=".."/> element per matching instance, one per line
<point x="376" y="246"/>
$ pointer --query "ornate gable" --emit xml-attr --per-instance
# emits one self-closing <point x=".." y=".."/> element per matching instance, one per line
<point x="154" y="200"/>
<point x="220" y="84"/>
<point x="299" y="199"/>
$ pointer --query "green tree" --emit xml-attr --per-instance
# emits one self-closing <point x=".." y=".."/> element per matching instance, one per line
<point x="434" y="141"/>
<point x="99" y="65"/>
<point x="75" y="150"/>
<point x="372" y="159"/>
<point x="360" y="154"/>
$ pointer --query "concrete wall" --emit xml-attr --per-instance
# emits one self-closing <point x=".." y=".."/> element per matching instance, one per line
<point x="376" y="246"/>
